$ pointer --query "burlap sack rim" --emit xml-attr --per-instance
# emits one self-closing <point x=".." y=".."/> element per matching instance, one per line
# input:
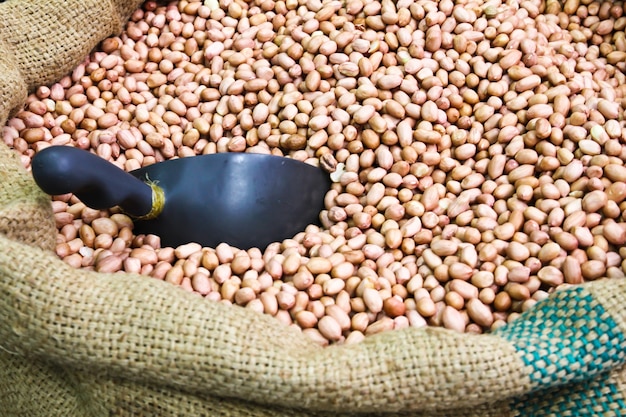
<point x="289" y="377"/>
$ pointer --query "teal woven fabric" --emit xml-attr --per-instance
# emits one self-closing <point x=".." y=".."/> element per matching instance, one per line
<point x="569" y="343"/>
<point x="600" y="396"/>
<point x="569" y="338"/>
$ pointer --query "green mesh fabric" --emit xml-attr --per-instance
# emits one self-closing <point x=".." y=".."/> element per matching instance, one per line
<point x="571" y="344"/>
<point x="567" y="339"/>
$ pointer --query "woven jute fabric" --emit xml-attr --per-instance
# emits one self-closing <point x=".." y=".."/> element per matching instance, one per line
<point x="41" y="41"/>
<point x="81" y="343"/>
<point x="22" y="206"/>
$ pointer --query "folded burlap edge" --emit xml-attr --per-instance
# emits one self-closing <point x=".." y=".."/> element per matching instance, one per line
<point x="140" y="329"/>
<point x="134" y="328"/>
<point x="40" y="56"/>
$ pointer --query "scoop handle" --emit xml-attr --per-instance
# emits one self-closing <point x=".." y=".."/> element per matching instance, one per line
<point x="96" y="182"/>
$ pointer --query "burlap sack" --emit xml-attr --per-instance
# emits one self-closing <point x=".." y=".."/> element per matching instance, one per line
<point x="79" y="343"/>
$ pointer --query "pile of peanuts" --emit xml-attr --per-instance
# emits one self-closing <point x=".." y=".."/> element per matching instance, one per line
<point x="478" y="150"/>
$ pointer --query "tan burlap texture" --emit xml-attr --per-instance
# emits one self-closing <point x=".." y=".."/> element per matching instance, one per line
<point x="80" y="343"/>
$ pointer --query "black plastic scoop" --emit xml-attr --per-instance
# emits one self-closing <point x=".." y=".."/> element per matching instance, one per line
<point x="245" y="200"/>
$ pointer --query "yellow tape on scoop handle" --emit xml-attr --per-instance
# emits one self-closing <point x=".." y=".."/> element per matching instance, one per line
<point x="158" y="202"/>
